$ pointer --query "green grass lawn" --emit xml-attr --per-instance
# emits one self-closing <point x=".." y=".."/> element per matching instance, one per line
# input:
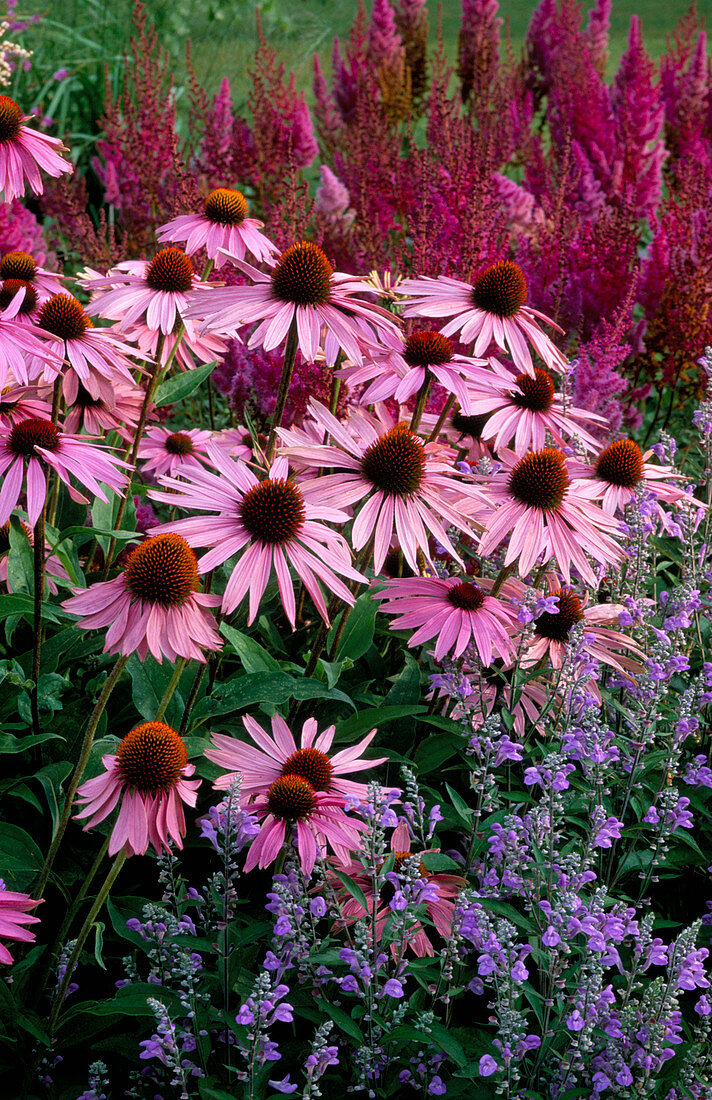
<point x="224" y="33"/>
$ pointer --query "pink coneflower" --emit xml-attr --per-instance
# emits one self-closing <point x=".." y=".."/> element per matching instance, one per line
<point x="149" y="775"/>
<point x="15" y="913"/>
<point x="408" y="488"/>
<point x="22" y="266"/>
<point x="301" y="285"/>
<point x="168" y="452"/>
<point x="456" y="610"/>
<point x="273" y="522"/>
<point x="22" y="403"/>
<point x="280" y="755"/>
<point x="492" y="308"/>
<point x="23" y="152"/>
<point x="318" y="818"/>
<point x="524" y="408"/>
<point x="96" y="417"/>
<point x="53" y="566"/>
<point x="153" y="292"/>
<point x="553" y="629"/>
<point x="39" y="445"/>
<point x="153" y="606"/>
<point x="547" y="516"/>
<point x="235" y="443"/>
<point x="19" y="341"/>
<point x="186" y="349"/>
<point x="489" y="688"/>
<point x="618" y="470"/>
<point x="439" y="892"/>
<point x="222" y="226"/>
<point x="96" y="359"/>
<point x="399" y="366"/>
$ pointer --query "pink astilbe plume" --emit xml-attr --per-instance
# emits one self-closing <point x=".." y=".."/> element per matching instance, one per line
<point x="25" y="151"/>
<point x="149" y="777"/>
<point x="30" y="448"/>
<point x="273" y="524"/>
<point x="15" y="915"/>
<point x="405" y="488"/>
<point x="153" y="605"/>
<point x="281" y="755"/>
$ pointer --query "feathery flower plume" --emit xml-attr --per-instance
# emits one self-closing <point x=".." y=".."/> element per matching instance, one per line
<point x="492" y="308"/>
<point x="149" y="775"/>
<point x="29" y="447"/>
<point x="273" y="522"/>
<point x="280" y="755"/>
<point x="301" y="286"/>
<point x="153" y="606"/>
<point x="24" y="151"/>
<point x="222" y="227"/>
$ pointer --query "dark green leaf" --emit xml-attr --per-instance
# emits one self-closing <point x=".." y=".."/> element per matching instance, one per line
<point x="243" y="691"/>
<point x="253" y="656"/>
<point x="366" y="720"/>
<point x="21" y="858"/>
<point x="353" y="888"/>
<point x="358" y="633"/>
<point x="182" y="385"/>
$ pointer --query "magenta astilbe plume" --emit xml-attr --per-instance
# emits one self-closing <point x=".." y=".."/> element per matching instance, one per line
<point x="478" y="47"/>
<point x="597" y="30"/>
<point x="639" y="112"/>
<point x="675" y="65"/>
<point x="214" y="160"/>
<point x="385" y="46"/>
<point x="689" y="128"/>
<point x="598" y="383"/>
<point x="325" y="112"/>
<point x="139" y="166"/>
<point x="21" y="232"/>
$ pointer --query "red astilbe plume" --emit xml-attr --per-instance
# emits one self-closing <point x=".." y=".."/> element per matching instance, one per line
<point x="676" y="65"/>
<point x="639" y="113"/>
<point x="478" y="49"/>
<point x="143" y="175"/>
<point x="596" y="34"/>
<point x="412" y="22"/>
<point x="66" y="201"/>
<point x="688" y="125"/>
<point x="223" y="143"/>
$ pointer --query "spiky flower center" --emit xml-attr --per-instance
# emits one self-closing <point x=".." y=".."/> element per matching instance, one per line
<point x="291" y="798"/>
<point x="11" y="287"/>
<point x="621" y="463"/>
<point x="395" y="463"/>
<point x="423" y="349"/>
<point x="470" y="425"/>
<point x="225" y="206"/>
<point x="64" y="316"/>
<point x="500" y="289"/>
<point x="537" y="393"/>
<point x="162" y="570"/>
<point x="10" y="119"/>
<point x="34" y="432"/>
<point x="557" y="627"/>
<point x="303" y="275"/>
<point x="151" y="758"/>
<point x="311" y="764"/>
<point x="273" y="510"/>
<point x="466" y="596"/>
<point x="540" y="480"/>
<point x="18" y="265"/>
<point x="170" y="270"/>
<point x="179" y="443"/>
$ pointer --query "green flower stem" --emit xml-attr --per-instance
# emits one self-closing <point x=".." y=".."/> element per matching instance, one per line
<point x="38" y="554"/>
<point x="81" y="938"/>
<point x="79" y="772"/>
<point x="131" y="456"/>
<point x="171" y="687"/>
<point x="420" y="401"/>
<point x="290" y="354"/>
<point x="447" y="408"/>
<point x="505" y="572"/>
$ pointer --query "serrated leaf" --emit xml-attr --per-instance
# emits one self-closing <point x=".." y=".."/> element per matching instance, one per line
<point x="182" y="385"/>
